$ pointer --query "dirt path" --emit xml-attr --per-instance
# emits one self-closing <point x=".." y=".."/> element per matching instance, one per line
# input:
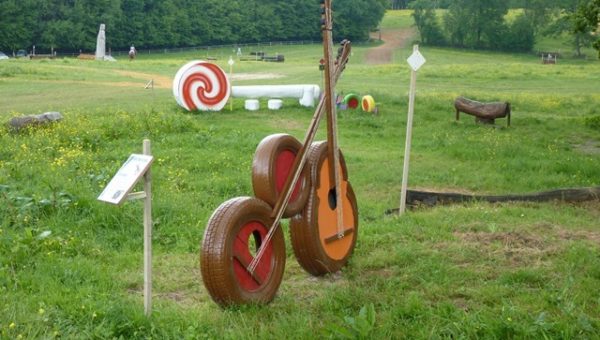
<point x="159" y="81"/>
<point x="393" y="39"/>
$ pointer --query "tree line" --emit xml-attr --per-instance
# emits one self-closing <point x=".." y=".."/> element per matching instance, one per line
<point x="72" y="25"/>
<point x="483" y="24"/>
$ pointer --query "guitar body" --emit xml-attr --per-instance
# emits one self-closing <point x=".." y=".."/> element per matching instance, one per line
<point x="317" y="244"/>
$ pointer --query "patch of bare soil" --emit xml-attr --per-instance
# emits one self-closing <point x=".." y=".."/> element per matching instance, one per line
<point x="589" y="147"/>
<point x="592" y="236"/>
<point x="393" y="39"/>
<point x="515" y="247"/>
<point x="514" y="240"/>
<point x="159" y="80"/>
<point x="526" y="247"/>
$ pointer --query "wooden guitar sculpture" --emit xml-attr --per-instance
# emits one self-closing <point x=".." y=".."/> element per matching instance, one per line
<point x="243" y="252"/>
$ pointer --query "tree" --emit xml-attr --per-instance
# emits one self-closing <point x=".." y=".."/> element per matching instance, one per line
<point x="569" y="21"/>
<point x="354" y="19"/>
<point x="16" y="20"/>
<point x="586" y="20"/>
<point x="476" y="23"/>
<point x="298" y="19"/>
<point x="72" y="25"/>
<point x="399" y="4"/>
<point x="539" y="12"/>
<point x="521" y="35"/>
<point x="427" y="22"/>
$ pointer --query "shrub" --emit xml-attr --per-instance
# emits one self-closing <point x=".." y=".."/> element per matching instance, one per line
<point x="521" y="35"/>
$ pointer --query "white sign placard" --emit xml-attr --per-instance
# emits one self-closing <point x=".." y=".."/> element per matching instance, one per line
<point x="416" y="60"/>
<point x="121" y="184"/>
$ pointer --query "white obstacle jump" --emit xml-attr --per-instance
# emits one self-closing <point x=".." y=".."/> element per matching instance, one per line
<point x="307" y="94"/>
<point x="200" y="85"/>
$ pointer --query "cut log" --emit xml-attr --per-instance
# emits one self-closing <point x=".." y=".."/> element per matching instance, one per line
<point x="416" y="198"/>
<point x="484" y="112"/>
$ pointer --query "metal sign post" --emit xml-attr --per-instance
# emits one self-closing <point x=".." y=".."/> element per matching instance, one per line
<point x="416" y="60"/>
<point x="119" y="189"/>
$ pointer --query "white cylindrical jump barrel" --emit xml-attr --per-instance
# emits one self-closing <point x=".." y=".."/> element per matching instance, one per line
<point x="307" y="94"/>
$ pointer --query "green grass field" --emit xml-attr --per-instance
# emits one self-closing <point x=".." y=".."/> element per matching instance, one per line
<point x="477" y="270"/>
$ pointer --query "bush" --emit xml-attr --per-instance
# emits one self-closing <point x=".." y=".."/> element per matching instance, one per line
<point x="521" y="35"/>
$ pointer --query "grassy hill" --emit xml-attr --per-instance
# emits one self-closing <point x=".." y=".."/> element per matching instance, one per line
<point x="469" y="270"/>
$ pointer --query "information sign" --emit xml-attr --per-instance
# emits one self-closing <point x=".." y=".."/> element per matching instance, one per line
<point x="130" y="173"/>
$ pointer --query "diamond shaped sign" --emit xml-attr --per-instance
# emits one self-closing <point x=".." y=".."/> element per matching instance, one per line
<point x="416" y="60"/>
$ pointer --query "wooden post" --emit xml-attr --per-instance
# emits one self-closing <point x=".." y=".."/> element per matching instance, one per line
<point x="409" y="124"/>
<point x="230" y="62"/>
<point x="147" y="236"/>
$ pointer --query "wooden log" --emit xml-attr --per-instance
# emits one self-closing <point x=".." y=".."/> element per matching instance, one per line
<point x="485" y="112"/>
<point x="417" y="198"/>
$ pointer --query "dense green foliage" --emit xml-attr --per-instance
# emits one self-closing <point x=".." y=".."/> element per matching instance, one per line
<point x="587" y="20"/>
<point x="73" y="25"/>
<point x="570" y="17"/>
<point x="482" y="24"/>
<point x="403" y="4"/>
<point x="478" y="24"/>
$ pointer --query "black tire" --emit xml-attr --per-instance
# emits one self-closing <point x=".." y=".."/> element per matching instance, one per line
<point x="312" y="238"/>
<point x="226" y="253"/>
<point x="272" y="165"/>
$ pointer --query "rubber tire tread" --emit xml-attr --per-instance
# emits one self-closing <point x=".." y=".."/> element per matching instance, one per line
<point x="216" y="254"/>
<point x="263" y="172"/>
<point x="304" y="233"/>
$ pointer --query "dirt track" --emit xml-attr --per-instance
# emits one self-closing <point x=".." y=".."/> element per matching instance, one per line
<point x="393" y="39"/>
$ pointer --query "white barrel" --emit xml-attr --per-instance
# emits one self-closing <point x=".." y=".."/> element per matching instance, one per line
<point x="307" y="94"/>
<point x="251" y="104"/>
<point x="274" y="104"/>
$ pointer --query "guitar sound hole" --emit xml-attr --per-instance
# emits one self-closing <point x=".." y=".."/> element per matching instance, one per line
<point x="331" y="197"/>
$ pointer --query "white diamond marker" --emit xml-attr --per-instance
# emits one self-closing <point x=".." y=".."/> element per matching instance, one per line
<point x="416" y="60"/>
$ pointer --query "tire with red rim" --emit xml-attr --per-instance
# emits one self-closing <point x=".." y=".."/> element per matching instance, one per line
<point x="272" y="165"/>
<point x="232" y="237"/>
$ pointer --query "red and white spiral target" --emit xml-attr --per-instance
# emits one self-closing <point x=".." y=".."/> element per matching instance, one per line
<point x="200" y="85"/>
